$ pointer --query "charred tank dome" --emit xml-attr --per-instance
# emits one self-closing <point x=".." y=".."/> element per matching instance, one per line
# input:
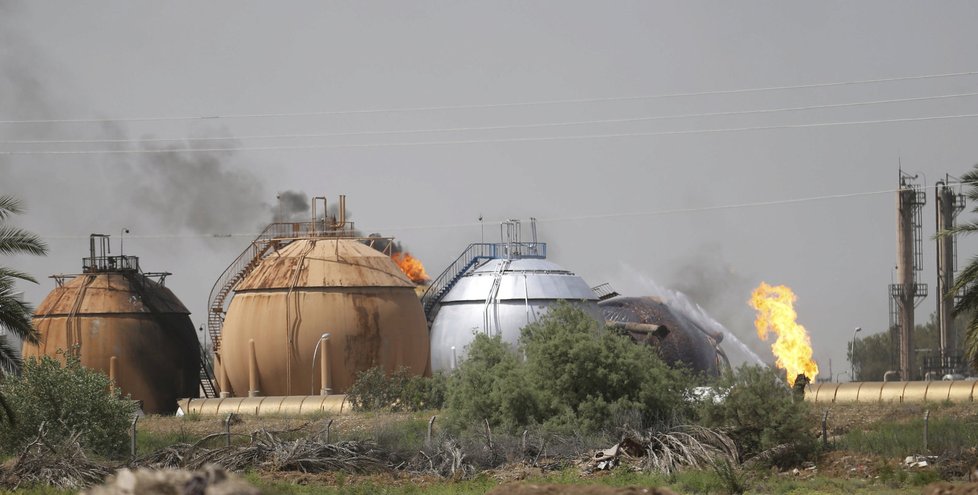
<point x="685" y="343"/>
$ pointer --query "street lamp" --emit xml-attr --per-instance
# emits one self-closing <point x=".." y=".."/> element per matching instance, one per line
<point x="122" y="240"/>
<point x="852" y="357"/>
<point x="837" y="375"/>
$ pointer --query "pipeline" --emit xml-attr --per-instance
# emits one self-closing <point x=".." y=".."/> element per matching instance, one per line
<point x="292" y="405"/>
<point x="892" y="392"/>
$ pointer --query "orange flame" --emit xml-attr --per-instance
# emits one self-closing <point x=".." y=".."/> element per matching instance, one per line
<point x="411" y="267"/>
<point x="776" y="313"/>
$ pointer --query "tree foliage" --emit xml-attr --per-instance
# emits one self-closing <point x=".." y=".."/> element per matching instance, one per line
<point x="375" y="390"/>
<point x="15" y="314"/>
<point x="567" y="372"/>
<point x="761" y="413"/>
<point x="67" y="398"/>
<point x="874" y="354"/>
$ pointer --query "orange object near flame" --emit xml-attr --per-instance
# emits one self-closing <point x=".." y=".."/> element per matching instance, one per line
<point x="776" y="313"/>
<point x="411" y="267"/>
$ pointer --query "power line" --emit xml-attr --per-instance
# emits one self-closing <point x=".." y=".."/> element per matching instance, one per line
<point x="599" y="216"/>
<point x="492" y="128"/>
<point x="482" y="141"/>
<point x="491" y="105"/>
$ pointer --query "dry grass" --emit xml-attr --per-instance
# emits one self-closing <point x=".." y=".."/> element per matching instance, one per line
<point x="60" y="464"/>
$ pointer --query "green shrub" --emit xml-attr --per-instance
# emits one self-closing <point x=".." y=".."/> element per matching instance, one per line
<point x="375" y="390"/>
<point x="574" y="375"/>
<point x="491" y="384"/>
<point x="761" y="413"/>
<point x="66" y="398"/>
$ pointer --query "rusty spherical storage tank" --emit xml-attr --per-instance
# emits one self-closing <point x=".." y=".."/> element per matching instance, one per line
<point x="114" y="310"/>
<point x="354" y="294"/>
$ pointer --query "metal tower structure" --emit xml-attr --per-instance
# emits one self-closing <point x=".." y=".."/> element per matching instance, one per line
<point x="948" y="205"/>
<point x="906" y="294"/>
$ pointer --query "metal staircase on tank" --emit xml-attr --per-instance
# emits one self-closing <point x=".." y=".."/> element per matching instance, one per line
<point x="206" y="376"/>
<point x="472" y="256"/>
<point x="273" y="237"/>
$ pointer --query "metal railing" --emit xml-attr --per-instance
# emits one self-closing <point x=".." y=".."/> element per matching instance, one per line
<point x="470" y="256"/>
<point x="110" y="264"/>
<point x="604" y="291"/>
<point x="274" y="235"/>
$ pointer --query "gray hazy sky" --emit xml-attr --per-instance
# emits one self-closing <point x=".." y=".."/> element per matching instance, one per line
<point x="594" y="196"/>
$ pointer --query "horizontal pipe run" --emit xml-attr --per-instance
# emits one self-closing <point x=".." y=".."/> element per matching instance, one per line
<point x="292" y="405"/>
<point x="959" y="391"/>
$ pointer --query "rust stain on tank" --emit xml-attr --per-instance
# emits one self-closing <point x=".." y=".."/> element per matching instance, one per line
<point x="363" y="347"/>
<point x="310" y="287"/>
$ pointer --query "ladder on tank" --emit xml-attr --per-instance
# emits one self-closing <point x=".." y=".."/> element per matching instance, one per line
<point x="473" y="255"/>
<point x="268" y="240"/>
<point x="206" y="376"/>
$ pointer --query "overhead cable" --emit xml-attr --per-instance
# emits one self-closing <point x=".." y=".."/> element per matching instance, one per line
<point x="489" y="128"/>
<point x="670" y="211"/>
<point x="482" y="141"/>
<point x="489" y="105"/>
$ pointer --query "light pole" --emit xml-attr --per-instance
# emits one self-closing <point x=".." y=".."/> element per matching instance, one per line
<point x="122" y="240"/>
<point x="837" y="375"/>
<point x="852" y="357"/>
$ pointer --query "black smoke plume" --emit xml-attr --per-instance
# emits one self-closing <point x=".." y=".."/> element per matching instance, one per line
<point x="291" y="206"/>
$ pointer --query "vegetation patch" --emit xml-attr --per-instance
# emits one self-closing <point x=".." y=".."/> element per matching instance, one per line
<point x="68" y="400"/>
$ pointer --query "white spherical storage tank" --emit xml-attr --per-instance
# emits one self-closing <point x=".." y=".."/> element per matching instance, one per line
<point x="500" y="296"/>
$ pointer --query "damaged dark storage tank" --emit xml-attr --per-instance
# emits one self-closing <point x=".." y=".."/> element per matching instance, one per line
<point x="685" y="344"/>
<point x="113" y="310"/>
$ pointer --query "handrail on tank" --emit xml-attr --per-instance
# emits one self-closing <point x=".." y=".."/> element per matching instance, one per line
<point x="285" y="232"/>
<point x="110" y="264"/>
<point x="469" y="257"/>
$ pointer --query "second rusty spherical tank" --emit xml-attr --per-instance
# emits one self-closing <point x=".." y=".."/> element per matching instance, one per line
<point x="112" y="310"/>
<point x="341" y="288"/>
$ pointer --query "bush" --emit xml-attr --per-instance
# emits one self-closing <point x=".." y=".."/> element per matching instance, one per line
<point x="762" y="413"/>
<point x="374" y="390"/>
<point x="575" y="376"/>
<point x="66" y="398"/>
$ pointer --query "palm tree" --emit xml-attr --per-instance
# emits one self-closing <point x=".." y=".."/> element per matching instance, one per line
<point x="966" y="282"/>
<point x="15" y="314"/>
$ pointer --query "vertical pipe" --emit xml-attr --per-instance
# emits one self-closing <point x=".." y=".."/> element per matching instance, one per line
<point x="324" y="366"/>
<point x="252" y="370"/>
<point x="227" y="429"/>
<point x="113" y="370"/>
<point x="312" y="224"/>
<point x="926" y="425"/>
<point x="222" y="377"/>
<point x="427" y="437"/>
<point x="132" y="437"/>
<point x="905" y="278"/>
<point x="825" y="435"/>
<point x="945" y="202"/>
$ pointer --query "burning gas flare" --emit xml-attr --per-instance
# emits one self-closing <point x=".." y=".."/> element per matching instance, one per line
<point x="411" y="267"/>
<point x="776" y="313"/>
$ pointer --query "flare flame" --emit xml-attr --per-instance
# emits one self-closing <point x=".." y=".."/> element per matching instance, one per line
<point x="776" y="313"/>
<point x="411" y="267"/>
